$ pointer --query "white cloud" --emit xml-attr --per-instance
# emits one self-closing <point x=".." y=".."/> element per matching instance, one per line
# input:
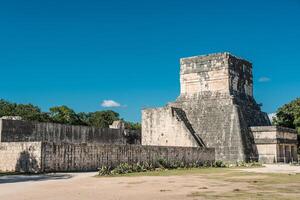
<point x="110" y="103"/>
<point x="264" y="79"/>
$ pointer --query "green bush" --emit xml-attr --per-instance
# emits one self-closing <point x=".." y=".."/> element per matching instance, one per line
<point x="104" y="171"/>
<point x="123" y="168"/>
<point x="219" y="163"/>
<point x="161" y="164"/>
<point x="248" y="164"/>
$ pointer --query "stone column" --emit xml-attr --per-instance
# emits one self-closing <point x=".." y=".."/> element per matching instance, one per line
<point x="284" y="154"/>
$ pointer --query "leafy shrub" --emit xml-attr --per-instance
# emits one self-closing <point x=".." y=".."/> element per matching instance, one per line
<point x="123" y="168"/>
<point x="104" y="171"/>
<point x="219" y="163"/>
<point x="248" y="164"/>
<point x="147" y="166"/>
<point x="161" y="164"/>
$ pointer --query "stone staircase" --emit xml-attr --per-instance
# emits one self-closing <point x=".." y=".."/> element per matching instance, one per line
<point x="181" y="116"/>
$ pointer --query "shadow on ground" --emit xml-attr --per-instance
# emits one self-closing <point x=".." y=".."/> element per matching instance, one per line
<point x="28" y="178"/>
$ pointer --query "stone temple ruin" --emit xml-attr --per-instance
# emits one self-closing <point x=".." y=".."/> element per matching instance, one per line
<point x="48" y="147"/>
<point x="214" y="118"/>
<point x="216" y="109"/>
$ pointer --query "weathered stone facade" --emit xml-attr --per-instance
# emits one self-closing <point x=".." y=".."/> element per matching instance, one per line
<point x="20" y="156"/>
<point x="216" y="96"/>
<point x="85" y="157"/>
<point x="26" y="131"/>
<point x="171" y="124"/>
<point x="57" y="157"/>
<point x="48" y="147"/>
<point x="275" y="144"/>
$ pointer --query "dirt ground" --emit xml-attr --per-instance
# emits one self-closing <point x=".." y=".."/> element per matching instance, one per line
<point x="279" y="168"/>
<point x="173" y="184"/>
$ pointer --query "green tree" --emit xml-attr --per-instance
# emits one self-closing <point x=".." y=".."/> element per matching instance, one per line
<point x="26" y="111"/>
<point x="6" y="108"/>
<point x="133" y="126"/>
<point x="102" y="119"/>
<point x="84" y="118"/>
<point x="64" y="115"/>
<point x="30" y="112"/>
<point x="289" y="115"/>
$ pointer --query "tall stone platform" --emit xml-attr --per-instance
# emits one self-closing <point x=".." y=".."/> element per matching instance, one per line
<point x="217" y="105"/>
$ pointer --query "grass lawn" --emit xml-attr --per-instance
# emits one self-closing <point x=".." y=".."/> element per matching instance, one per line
<point x="230" y="183"/>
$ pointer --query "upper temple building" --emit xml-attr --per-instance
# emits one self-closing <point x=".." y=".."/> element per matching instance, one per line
<point x="215" y="73"/>
<point x="216" y="109"/>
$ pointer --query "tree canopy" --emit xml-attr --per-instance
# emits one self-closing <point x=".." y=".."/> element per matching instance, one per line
<point x="26" y="111"/>
<point x="99" y="118"/>
<point x="133" y="126"/>
<point x="289" y="115"/>
<point x="62" y="114"/>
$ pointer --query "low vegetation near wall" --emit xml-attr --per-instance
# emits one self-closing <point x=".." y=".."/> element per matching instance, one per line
<point x="159" y="164"/>
<point x="88" y="157"/>
<point x="163" y="165"/>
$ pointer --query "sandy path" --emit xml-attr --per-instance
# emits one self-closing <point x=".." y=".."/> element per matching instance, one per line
<point x="85" y="186"/>
<point x="64" y="186"/>
<point x="275" y="168"/>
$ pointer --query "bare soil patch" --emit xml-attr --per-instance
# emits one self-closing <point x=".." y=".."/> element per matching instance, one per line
<point x="173" y="184"/>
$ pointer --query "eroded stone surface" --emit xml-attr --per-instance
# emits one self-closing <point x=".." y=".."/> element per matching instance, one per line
<point x="275" y="144"/>
<point x="217" y="97"/>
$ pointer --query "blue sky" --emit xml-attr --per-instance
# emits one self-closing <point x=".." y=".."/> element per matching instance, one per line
<point x="79" y="53"/>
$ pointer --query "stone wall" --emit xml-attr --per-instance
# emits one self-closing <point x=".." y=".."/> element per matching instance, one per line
<point x="26" y="131"/>
<point x="20" y="156"/>
<point x="240" y="76"/>
<point x="86" y="157"/>
<point x="171" y="126"/>
<point x="275" y="144"/>
<point x="36" y="157"/>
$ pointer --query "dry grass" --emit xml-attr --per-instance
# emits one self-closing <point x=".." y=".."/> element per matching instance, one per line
<point x="227" y="183"/>
<point x="252" y="186"/>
